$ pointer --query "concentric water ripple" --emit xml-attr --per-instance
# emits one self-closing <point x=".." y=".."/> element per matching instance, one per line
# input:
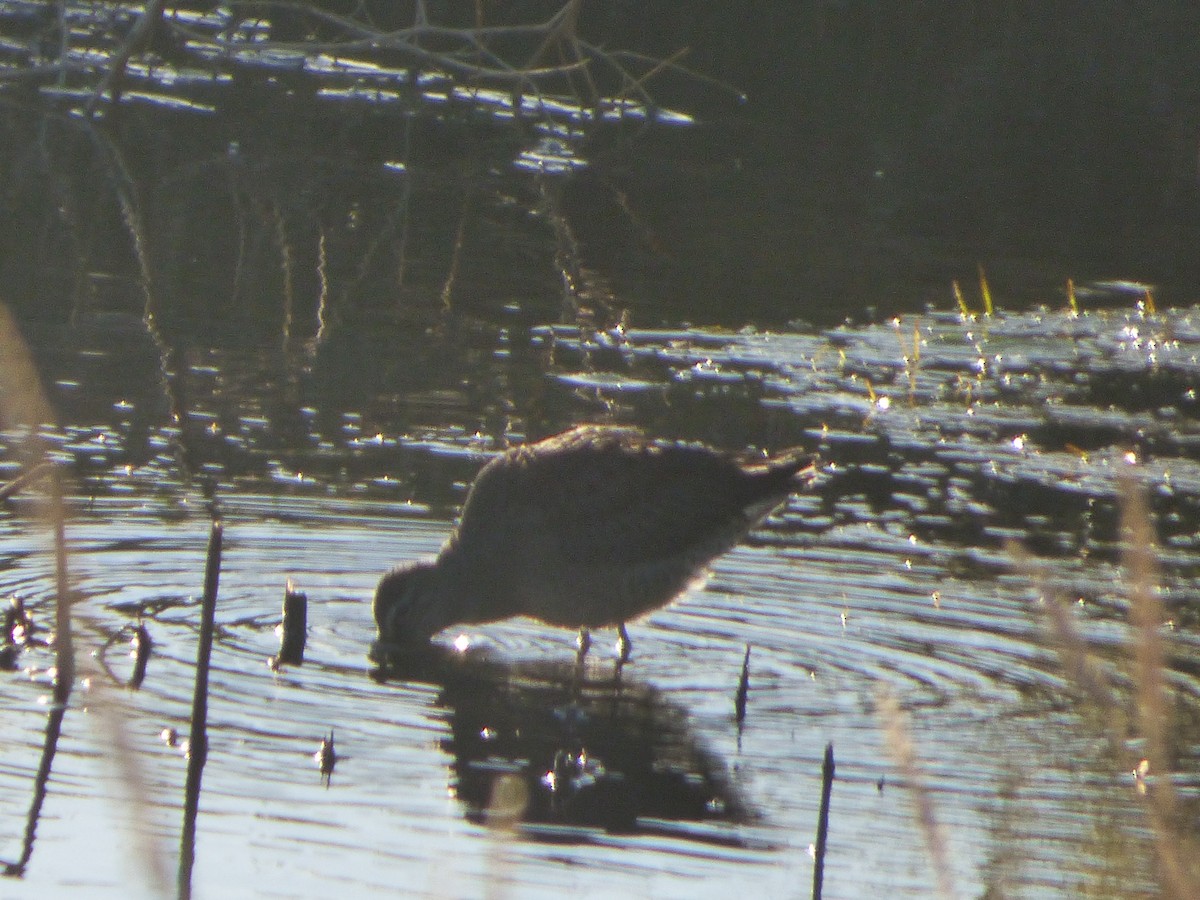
<point x="892" y="574"/>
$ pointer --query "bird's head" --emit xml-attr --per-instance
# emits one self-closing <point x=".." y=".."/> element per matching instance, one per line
<point x="409" y="607"/>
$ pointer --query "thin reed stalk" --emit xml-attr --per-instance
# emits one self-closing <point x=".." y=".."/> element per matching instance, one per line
<point x="64" y="644"/>
<point x="827" y="773"/>
<point x="198" y="739"/>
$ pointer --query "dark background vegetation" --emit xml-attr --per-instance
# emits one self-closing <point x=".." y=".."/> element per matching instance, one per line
<point x="870" y="152"/>
<point x="1064" y="134"/>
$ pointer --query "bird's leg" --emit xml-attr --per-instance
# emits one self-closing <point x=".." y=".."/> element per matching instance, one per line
<point x="583" y="642"/>
<point x="624" y="644"/>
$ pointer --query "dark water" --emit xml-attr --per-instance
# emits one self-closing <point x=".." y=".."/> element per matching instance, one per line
<point x="889" y="575"/>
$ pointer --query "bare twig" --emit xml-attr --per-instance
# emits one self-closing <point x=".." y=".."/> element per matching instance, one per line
<point x="553" y="51"/>
<point x="405" y="41"/>
<point x="666" y="64"/>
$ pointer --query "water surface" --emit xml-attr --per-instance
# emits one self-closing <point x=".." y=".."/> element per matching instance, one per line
<point x="890" y="575"/>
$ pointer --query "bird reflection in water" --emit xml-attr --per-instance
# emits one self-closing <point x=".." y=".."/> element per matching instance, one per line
<point x="592" y="749"/>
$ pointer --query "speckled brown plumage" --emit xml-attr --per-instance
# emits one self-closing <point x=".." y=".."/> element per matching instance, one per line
<point x="592" y="527"/>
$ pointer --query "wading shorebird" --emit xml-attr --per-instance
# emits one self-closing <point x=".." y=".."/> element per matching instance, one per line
<point x="591" y="528"/>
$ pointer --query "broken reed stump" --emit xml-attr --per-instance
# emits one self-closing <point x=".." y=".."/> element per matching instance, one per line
<point x="142" y="646"/>
<point x="198" y="740"/>
<point x="293" y="630"/>
<point x="743" y="690"/>
<point x="326" y="759"/>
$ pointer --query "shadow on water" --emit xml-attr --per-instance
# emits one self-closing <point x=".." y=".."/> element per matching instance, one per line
<point x="592" y="748"/>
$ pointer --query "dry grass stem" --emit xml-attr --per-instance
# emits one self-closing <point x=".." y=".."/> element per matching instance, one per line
<point x="23" y="405"/>
<point x="25" y="479"/>
<point x="1177" y="852"/>
<point x="1081" y="666"/>
<point x="110" y="719"/>
<point x="904" y="755"/>
<point x="1139" y="559"/>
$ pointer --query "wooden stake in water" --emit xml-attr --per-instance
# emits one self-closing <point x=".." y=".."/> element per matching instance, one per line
<point x="198" y="741"/>
<point x="827" y="770"/>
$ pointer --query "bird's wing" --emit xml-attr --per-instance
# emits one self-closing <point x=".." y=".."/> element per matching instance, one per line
<point x="600" y="500"/>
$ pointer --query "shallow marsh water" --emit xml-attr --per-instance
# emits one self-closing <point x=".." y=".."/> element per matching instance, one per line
<point x="890" y="574"/>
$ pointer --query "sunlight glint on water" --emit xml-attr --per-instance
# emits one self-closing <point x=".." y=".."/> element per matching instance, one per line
<point x="895" y="578"/>
<point x="390" y="818"/>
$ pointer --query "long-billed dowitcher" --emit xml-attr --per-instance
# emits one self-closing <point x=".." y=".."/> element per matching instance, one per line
<point x="593" y="527"/>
